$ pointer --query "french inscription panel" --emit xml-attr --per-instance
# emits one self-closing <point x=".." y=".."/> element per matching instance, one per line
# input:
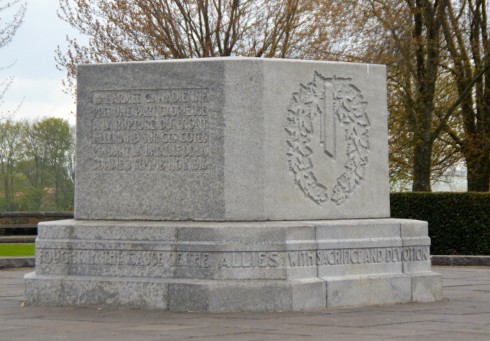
<point x="146" y="130"/>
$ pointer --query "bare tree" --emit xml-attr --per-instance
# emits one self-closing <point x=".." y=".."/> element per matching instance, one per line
<point x="132" y="30"/>
<point x="466" y="30"/>
<point x="10" y="149"/>
<point x="406" y="36"/>
<point x="8" y="28"/>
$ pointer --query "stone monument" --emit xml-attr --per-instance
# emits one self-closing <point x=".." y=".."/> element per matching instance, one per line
<point x="232" y="184"/>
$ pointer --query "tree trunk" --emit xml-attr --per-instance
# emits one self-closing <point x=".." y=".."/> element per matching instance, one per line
<point x="478" y="173"/>
<point x="422" y="166"/>
<point x="8" y="193"/>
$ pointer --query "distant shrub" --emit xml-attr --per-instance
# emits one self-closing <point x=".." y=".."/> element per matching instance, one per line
<point x="459" y="223"/>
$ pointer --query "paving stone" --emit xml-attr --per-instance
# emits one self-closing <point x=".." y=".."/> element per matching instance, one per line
<point x="461" y="316"/>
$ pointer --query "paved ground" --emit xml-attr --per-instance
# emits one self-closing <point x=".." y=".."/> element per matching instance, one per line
<point x="464" y="314"/>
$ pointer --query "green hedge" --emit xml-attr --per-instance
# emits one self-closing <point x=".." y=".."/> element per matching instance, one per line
<point x="459" y="223"/>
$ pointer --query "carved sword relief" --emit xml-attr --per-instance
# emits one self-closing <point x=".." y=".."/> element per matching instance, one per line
<point x="327" y="125"/>
<point x="323" y="105"/>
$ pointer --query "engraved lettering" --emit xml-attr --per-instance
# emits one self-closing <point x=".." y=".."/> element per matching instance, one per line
<point x="263" y="259"/>
<point x="232" y="260"/>
<point x="273" y="260"/>
<point x="293" y="259"/>
<point x="224" y="262"/>
<point x="164" y="130"/>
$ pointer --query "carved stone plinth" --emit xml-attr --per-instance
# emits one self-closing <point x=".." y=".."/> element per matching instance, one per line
<point x="232" y="266"/>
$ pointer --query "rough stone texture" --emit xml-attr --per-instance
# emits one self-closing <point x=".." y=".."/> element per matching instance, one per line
<point x="426" y="287"/>
<point x="247" y="295"/>
<point x="231" y="139"/>
<point x="232" y="266"/>
<point x="132" y="293"/>
<point x="368" y="290"/>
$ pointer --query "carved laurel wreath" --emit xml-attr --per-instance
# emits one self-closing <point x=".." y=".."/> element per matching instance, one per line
<point x="350" y="110"/>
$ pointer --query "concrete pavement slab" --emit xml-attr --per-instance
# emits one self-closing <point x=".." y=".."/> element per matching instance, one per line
<point x="464" y="314"/>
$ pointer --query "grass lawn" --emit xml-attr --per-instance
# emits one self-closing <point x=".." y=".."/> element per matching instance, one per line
<point x="17" y="250"/>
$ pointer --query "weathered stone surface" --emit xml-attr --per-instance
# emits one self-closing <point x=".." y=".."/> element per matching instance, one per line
<point x="231" y="139"/>
<point x="426" y="287"/>
<point x="247" y="295"/>
<point x="231" y="266"/>
<point x="368" y="290"/>
<point x="132" y="293"/>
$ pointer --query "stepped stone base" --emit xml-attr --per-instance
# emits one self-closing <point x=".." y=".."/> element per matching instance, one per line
<point x="231" y="266"/>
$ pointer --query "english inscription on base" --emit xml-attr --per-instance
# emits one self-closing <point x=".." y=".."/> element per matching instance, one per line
<point x="258" y="259"/>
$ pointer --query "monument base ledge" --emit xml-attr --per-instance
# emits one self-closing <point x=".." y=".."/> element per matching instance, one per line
<point x="231" y="266"/>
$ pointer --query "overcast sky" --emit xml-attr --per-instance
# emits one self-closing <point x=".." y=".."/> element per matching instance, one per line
<point x="37" y="81"/>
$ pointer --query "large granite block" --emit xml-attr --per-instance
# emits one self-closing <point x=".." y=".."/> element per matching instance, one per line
<point x="368" y="290"/>
<point x="231" y="139"/>
<point x="84" y="291"/>
<point x="426" y="287"/>
<point x="247" y="295"/>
